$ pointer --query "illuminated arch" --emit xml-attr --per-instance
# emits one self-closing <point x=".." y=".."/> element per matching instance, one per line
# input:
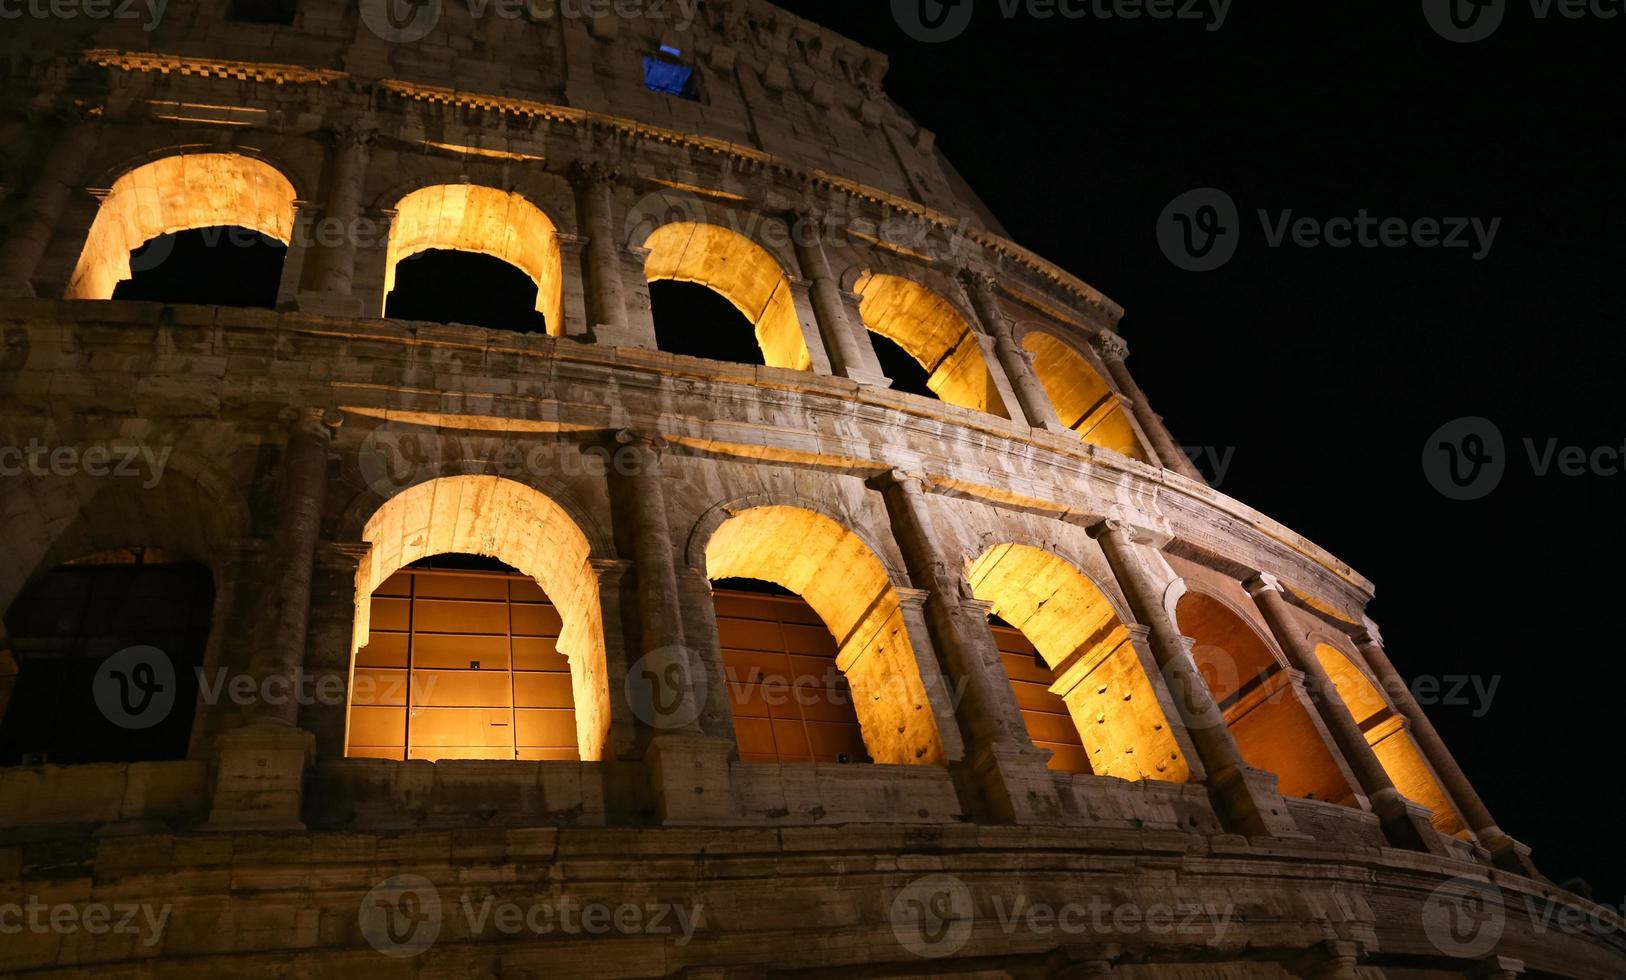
<point x="740" y="271"/>
<point x="1273" y="728"/>
<point x="473" y="218"/>
<point x="837" y="574"/>
<point x="932" y="332"/>
<point x="1095" y="667"/>
<point x="1081" y="398"/>
<point x="1391" y="742"/>
<point x="175" y="194"/>
<point x="515" y="524"/>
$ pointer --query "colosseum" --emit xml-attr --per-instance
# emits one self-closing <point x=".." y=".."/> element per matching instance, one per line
<point x="344" y="639"/>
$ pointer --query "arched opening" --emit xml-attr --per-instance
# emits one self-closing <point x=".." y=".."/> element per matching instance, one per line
<point x="934" y="335"/>
<point x="1272" y="726"/>
<point x="1386" y="732"/>
<point x="740" y="271"/>
<point x="440" y="286"/>
<point x="904" y="371"/>
<point x="791" y="703"/>
<point x="478" y="632"/>
<point x="1086" y="665"/>
<point x="104" y="660"/>
<point x="1081" y="398"/>
<point x="696" y="321"/>
<point x="835" y="575"/>
<point x="483" y="220"/>
<point x="207" y="266"/>
<point x="176" y="194"/>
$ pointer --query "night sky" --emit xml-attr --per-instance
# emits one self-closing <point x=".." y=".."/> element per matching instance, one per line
<point x="1328" y="370"/>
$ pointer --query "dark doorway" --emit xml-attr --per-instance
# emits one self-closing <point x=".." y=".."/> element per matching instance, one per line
<point x="695" y="321"/>
<point x="445" y="286"/>
<point x="220" y="266"/>
<point x="906" y="373"/>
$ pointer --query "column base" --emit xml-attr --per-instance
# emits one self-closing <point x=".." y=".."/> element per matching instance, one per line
<point x="1509" y="855"/>
<point x="689" y="779"/>
<point x="1249" y="802"/>
<point x="259" y="778"/>
<point x="328" y="304"/>
<point x="1012" y="784"/>
<point x="1407" y="825"/>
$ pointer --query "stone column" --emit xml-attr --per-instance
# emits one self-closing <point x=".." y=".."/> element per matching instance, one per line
<point x="1031" y="399"/>
<point x="1508" y="853"/>
<point x="330" y="266"/>
<point x="1404" y="823"/>
<point x="606" y="293"/>
<point x="1011" y="783"/>
<point x="1334" y="959"/>
<point x="42" y="209"/>
<point x="260" y="763"/>
<point x="8" y="671"/>
<point x="1246" y="799"/>
<point x="1114" y="351"/>
<point x="688" y="770"/>
<point x="572" y="256"/>
<point x="829" y="305"/>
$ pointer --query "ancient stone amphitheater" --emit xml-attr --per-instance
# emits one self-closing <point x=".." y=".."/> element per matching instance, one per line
<point x="340" y="644"/>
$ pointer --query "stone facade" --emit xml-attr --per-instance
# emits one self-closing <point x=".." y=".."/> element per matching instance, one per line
<point x="1257" y="794"/>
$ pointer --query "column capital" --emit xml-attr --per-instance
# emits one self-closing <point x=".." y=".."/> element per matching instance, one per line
<point x="355" y="134"/>
<point x="316" y="421"/>
<point x="1368" y="636"/>
<point x="907" y="481"/>
<point x="609" y="568"/>
<point x="1112" y="526"/>
<point x="1110" y="346"/>
<point x="1262" y="583"/>
<point x="585" y="173"/>
<point x="646" y="441"/>
<point x="911" y="598"/>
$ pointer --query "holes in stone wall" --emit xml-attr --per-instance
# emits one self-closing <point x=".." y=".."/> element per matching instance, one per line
<point x="223" y="265"/>
<point x="697" y="321"/>
<point x="104" y="661"/>
<point x="277" y="13"/>
<point x="446" y="286"/>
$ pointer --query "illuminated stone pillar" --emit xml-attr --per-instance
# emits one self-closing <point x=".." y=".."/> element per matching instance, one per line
<point x="1114" y="351"/>
<point x="41" y="211"/>
<point x="1247" y="800"/>
<point x="260" y="763"/>
<point x="688" y="770"/>
<point x="841" y="341"/>
<point x="606" y="290"/>
<point x="1508" y="853"/>
<point x="330" y="262"/>
<point x="1007" y="769"/>
<point x="1031" y="400"/>
<point x="1405" y="823"/>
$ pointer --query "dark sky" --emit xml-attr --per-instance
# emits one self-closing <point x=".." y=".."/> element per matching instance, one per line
<point x="1328" y="370"/>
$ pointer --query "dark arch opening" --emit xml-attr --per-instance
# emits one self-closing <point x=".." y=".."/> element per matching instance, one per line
<point x="226" y="265"/>
<point x="108" y="650"/>
<point x="447" y="286"/>
<point x="696" y="321"/>
<point x="906" y="373"/>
